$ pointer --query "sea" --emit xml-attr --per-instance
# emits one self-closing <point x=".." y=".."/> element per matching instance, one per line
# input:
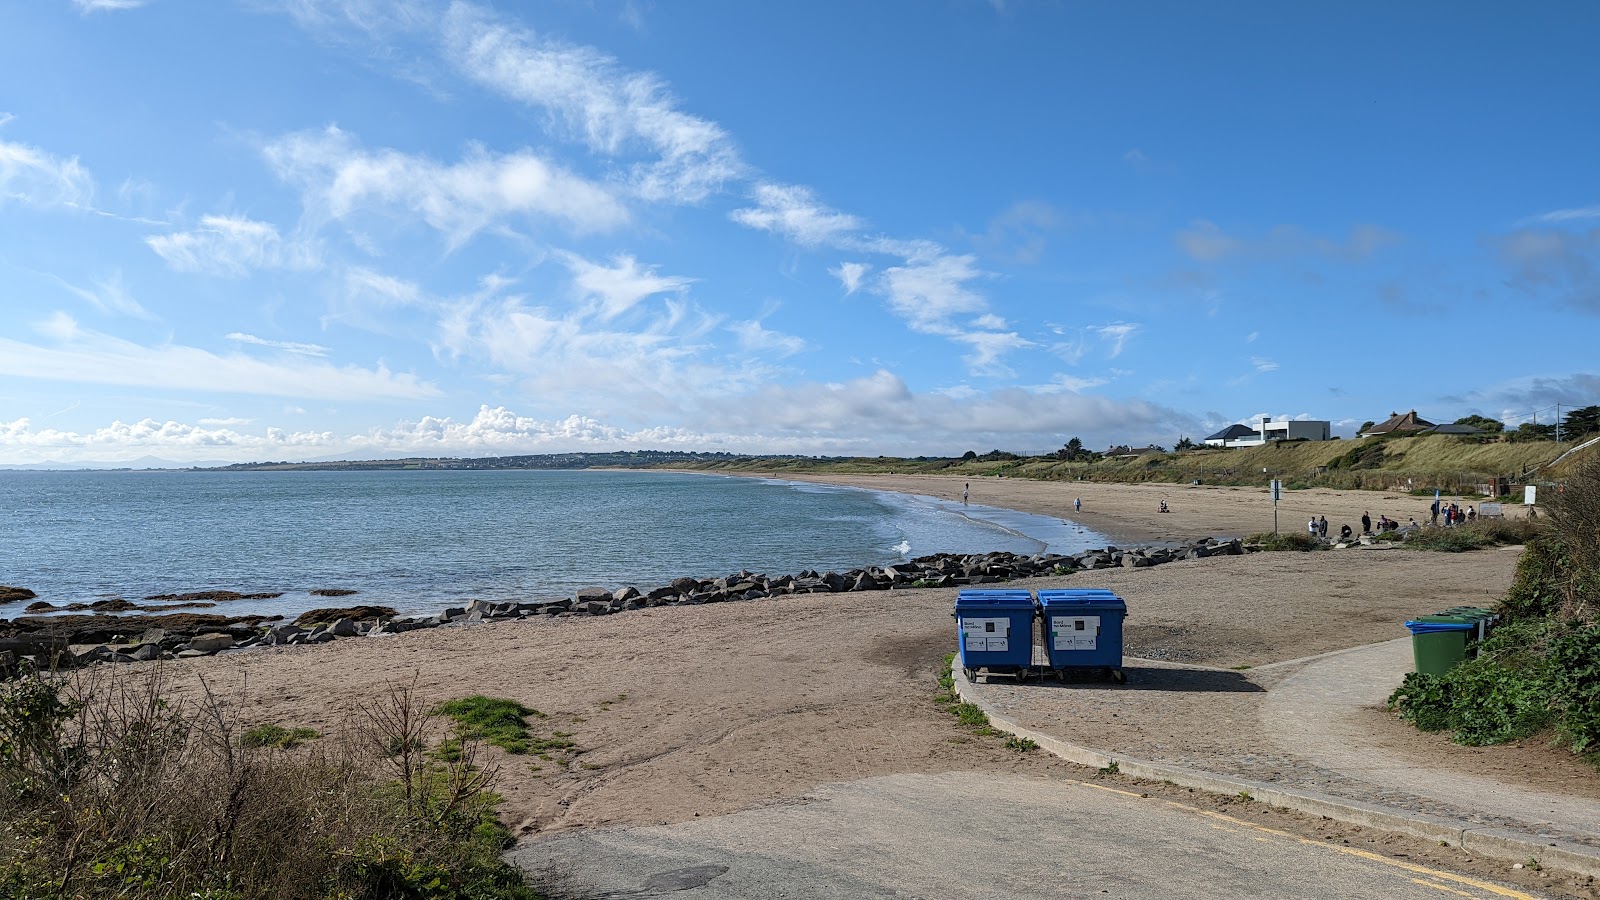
<point x="422" y="540"/>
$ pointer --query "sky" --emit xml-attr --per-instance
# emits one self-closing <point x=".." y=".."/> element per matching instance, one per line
<point x="247" y="230"/>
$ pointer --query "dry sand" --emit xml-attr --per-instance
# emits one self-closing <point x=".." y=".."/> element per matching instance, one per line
<point x="693" y="711"/>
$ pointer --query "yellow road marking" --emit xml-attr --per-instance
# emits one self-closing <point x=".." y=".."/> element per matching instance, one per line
<point x="1441" y="887"/>
<point x="1350" y="851"/>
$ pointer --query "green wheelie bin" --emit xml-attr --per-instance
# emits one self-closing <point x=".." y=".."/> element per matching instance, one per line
<point x="1439" y="643"/>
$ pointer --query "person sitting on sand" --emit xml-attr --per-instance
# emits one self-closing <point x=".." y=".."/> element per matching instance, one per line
<point x="1344" y="532"/>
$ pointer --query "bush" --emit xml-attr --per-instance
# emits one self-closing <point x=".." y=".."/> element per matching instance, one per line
<point x="1474" y="535"/>
<point x="1287" y="540"/>
<point x="107" y="789"/>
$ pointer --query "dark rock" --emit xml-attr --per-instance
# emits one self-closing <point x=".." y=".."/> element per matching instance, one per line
<point x="41" y="606"/>
<point x="212" y="596"/>
<point x="116" y="605"/>
<point x="593" y="594"/>
<point x="103" y="629"/>
<point x="9" y="594"/>
<point x="145" y="652"/>
<point x="210" y="643"/>
<point x="343" y="628"/>
<point x="332" y="592"/>
<point x="333" y="614"/>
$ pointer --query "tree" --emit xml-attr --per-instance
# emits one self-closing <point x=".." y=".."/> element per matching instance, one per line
<point x="1532" y="431"/>
<point x="1072" y="450"/>
<point x="1183" y="444"/>
<point x="969" y="456"/>
<point x="1365" y="426"/>
<point x="1580" y="422"/>
<point x="1483" y="423"/>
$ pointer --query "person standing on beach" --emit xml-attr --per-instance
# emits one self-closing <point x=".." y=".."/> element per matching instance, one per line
<point x="1311" y="527"/>
<point x="1366" y="523"/>
<point x="1435" y="510"/>
<point x="964" y="492"/>
<point x="1322" y="526"/>
<point x="1077" y="504"/>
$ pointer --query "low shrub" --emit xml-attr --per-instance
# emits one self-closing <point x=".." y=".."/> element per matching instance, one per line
<point x="1286" y="540"/>
<point x="492" y="720"/>
<point x="272" y="735"/>
<point x="109" y="789"/>
<point x="1474" y="535"/>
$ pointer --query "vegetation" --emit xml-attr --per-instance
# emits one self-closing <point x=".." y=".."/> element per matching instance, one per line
<point x="502" y="723"/>
<point x="276" y="736"/>
<point x="1539" y="672"/>
<point x="1475" y="535"/>
<point x="108" y="789"/>
<point x="1285" y="540"/>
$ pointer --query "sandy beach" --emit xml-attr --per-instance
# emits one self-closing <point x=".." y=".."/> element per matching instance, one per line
<point x="1128" y="512"/>
<point x="703" y="710"/>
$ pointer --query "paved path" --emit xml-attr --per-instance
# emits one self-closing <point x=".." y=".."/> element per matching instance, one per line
<point x="1302" y="730"/>
<point x="977" y="835"/>
<point x="1316" y="714"/>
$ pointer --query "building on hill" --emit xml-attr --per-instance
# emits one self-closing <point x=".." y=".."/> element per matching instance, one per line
<point x="1410" y="423"/>
<point x="1281" y="430"/>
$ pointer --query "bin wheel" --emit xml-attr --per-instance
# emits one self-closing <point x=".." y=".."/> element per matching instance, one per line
<point x="1023" y="673"/>
<point x="1119" y="676"/>
<point x="972" y="674"/>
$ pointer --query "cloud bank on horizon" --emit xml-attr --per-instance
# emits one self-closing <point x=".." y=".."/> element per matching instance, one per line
<point x="293" y="229"/>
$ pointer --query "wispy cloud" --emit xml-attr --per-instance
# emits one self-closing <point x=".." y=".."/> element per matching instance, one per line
<point x="753" y="338"/>
<point x="794" y="212"/>
<point x="87" y="357"/>
<point x="232" y="246"/>
<point x="1558" y="216"/>
<point x="1116" y="336"/>
<point x="617" y="288"/>
<point x="615" y="112"/>
<point x="339" y="179"/>
<point x="1559" y="264"/>
<point x="1205" y="241"/>
<point x="109" y="296"/>
<point x="88" y="7"/>
<point x="34" y="177"/>
<point x="1262" y="364"/>
<point x="850" y="275"/>
<point x="288" y="346"/>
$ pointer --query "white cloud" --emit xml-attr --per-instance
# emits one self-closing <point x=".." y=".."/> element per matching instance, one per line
<point x="1204" y="241"/>
<point x="927" y="293"/>
<point x="794" y="212"/>
<point x="753" y="338"/>
<point x="232" y="246"/>
<point x="340" y="179"/>
<point x="229" y="421"/>
<point x="617" y="288"/>
<point x="1262" y="364"/>
<point x="34" y="177"/>
<point x="88" y="7"/>
<point x="109" y="296"/>
<point x="288" y="346"/>
<point x="87" y="357"/>
<point x="1251" y="337"/>
<point x="615" y="112"/>
<point x="850" y="275"/>
<point x="1116" y="335"/>
<point x="1557" y="216"/>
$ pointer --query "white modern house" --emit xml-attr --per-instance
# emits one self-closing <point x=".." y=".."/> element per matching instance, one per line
<point x="1269" y="430"/>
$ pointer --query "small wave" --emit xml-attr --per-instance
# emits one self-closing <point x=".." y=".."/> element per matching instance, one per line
<point x="903" y="548"/>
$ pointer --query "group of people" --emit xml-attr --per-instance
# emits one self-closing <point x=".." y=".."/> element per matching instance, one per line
<point x="1317" y="526"/>
<point x="1453" y="513"/>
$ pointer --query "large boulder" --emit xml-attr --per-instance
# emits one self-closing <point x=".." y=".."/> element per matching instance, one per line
<point x="9" y="594"/>
<point x="327" y="615"/>
<point x="211" y="643"/>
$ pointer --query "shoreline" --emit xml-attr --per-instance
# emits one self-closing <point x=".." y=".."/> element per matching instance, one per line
<point x="1127" y="514"/>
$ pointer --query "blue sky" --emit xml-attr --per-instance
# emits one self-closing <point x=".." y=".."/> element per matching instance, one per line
<point x="291" y="229"/>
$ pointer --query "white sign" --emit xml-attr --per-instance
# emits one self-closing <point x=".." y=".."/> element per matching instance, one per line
<point x="986" y="635"/>
<point x="1074" y="632"/>
<point x="1277" y="490"/>
<point x="1528" y="494"/>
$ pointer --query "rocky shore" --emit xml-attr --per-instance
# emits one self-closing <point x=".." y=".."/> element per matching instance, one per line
<point x="29" y="643"/>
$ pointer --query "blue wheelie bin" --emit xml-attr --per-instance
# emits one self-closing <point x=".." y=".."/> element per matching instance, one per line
<point x="995" y="628"/>
<point x="1083" y="631"/>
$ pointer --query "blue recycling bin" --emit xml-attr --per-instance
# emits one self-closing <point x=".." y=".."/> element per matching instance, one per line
<point x="995" y="628"/>
<point x="1083" y="630"/>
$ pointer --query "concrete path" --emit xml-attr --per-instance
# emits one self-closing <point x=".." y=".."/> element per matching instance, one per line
<point x="969" y="834"/>
<point x="1298" y="735"/>
<point x="1316" y="713"/>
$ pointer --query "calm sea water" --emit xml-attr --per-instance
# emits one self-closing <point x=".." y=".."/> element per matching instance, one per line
<point x="419" y="541"/>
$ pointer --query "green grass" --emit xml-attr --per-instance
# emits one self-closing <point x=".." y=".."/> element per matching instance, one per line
<point x="1285" y="540"/>
<point x="1474" y="535"/>
<point x="277" y="736"/>
<point x="492" y="720"/>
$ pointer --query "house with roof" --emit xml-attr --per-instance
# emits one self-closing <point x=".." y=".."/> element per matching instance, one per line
<point x="1281" y="430"/>
<point x="1410" y="423"/>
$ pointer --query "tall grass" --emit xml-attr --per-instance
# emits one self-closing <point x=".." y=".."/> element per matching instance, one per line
<point x="108" y="789"/>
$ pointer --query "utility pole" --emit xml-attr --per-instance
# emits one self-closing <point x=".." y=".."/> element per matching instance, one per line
<point x="1558" y="423"/>
<point x="1277" y="493"/>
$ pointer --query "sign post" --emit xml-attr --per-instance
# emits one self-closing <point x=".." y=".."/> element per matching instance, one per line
<point x="1277" y="494"/>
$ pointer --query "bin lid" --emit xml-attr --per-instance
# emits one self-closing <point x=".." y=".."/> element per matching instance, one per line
<point x="1427" y="627"/>
<point x="1008" y="599"/>
<point x="1082" y="598"/>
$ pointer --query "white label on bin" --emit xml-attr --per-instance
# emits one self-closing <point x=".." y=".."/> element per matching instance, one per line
<point x="986" y="635"/>
<point x="1074" y="632"/>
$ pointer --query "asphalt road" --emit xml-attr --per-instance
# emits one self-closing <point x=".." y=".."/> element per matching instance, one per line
<point x="970" y="834"/>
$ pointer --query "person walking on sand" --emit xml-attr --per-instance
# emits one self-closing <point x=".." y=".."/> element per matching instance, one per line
<point x="964" y="492"/>
<point x="1077" y="504"/>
